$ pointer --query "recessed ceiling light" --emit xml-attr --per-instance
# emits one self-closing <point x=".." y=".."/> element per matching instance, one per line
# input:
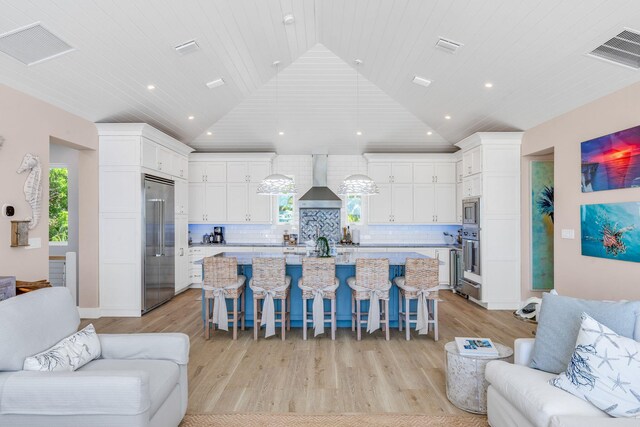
<point x="151" y="87"/>
<point x="429" y="133"/>
<point x="209" y="133"/>
<point x="288" y="19"/>
<point x="488" y="85"/>
<point x="448" y="117"/>
<point x="358" y="133"/>
<point x="280" y="133"/>
<point x="215" y="83"/>
<point x="191" y="117"/>
<point x="421" y="81"/>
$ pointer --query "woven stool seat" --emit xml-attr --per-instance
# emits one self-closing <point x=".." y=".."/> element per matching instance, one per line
<point x="221" y="281"/>
<point x="269" y="283"/>
<point x="420" y="283"/>
<point x="318" y="282"/>
<point x="371" y="283"/>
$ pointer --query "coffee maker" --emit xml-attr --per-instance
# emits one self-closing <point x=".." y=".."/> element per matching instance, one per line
<point x="218" y="235"/>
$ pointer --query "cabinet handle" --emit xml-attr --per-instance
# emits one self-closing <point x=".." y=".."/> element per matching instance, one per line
<point x="436" y="178"/>
<point x="433" y="178"/>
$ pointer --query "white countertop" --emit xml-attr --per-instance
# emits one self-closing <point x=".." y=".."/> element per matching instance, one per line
<point x="395" y="258"/>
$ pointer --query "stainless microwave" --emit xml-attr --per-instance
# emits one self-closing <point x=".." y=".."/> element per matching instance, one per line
<point x="471" y="211"/>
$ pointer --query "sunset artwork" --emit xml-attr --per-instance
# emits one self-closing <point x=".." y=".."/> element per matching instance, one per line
<point x="611" y="161"/>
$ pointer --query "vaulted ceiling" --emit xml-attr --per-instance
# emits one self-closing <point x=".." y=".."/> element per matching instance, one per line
<point x="532" y="52"/>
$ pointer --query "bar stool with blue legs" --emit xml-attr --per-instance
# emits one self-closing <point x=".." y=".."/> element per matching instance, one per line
<point x="370" y="284"/>
<point x="270" y="283"/>
<point x="222" y="282"/>
<point x="420" y="283"/>
<point x="318" y="282"/>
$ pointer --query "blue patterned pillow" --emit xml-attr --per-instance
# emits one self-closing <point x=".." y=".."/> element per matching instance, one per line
<point x="604" y="370"/>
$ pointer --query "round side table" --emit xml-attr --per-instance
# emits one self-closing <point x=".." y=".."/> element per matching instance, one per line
<point x="466" y="386"/>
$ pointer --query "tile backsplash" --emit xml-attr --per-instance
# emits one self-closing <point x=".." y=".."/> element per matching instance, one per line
<point x="405" y="234"/>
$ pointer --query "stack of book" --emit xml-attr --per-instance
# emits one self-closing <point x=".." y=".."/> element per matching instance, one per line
<point x="476" y="346"/>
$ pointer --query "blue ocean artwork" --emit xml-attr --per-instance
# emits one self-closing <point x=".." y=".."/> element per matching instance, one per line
<point x="542" y="217"/>
<point x="612" y="161"/>
<point x="611" y="231"/>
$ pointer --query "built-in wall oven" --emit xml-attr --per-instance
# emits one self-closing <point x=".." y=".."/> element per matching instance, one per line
<point x="471" y="212"/>
<point x="470" y="283"/>
<point x="471" y="250"/>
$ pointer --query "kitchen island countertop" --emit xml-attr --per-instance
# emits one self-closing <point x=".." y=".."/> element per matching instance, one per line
<point x="395" y="258"/>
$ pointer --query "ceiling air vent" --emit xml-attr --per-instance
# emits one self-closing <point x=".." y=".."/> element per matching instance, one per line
<point x="448" y="45"/>
<point x="32" y="44"/>
<point x="623" y="49"/>
<point x="188" y="47"/>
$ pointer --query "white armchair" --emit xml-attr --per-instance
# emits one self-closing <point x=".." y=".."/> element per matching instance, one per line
<point x="139" y="380"/>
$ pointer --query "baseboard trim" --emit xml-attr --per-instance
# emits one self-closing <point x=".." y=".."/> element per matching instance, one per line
<point x="89" y="313"/>
<point x="120" y="312"/>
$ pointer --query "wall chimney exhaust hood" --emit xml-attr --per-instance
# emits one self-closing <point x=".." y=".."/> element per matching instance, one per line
<point x="320" y="196"/>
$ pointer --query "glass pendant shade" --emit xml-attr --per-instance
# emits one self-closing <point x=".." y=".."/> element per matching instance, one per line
<point x="277" y="185"/>
<point x="358" y="185"/>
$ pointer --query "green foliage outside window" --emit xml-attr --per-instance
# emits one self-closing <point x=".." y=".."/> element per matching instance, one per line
<point x="354" y="209"/>
<point x="285" y="209"/>
<point x="58" y="205"/>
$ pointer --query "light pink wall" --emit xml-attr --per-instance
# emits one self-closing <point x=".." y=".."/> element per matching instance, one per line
<point x="577" y="275"/>
<point x="28" y="124"/>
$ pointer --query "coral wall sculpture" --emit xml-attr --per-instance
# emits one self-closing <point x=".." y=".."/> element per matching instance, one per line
<point x="33" y="187"/>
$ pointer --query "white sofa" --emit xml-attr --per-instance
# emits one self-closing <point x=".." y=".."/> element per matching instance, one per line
<point x="140" y="379"/>
<point x="521" y="396"/>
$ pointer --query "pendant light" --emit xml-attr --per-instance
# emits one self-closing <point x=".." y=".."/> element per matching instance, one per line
<point x="277" y="184"/>
<point x="358" y="184"/>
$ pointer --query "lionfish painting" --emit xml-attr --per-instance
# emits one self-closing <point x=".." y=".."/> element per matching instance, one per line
<point x="611" y="231"/>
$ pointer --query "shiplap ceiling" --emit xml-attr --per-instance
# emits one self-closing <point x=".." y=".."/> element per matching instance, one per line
<point x="532" y="52"/>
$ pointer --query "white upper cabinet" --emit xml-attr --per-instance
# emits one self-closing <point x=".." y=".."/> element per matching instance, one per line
<point x="229" y="196"/>
<point x="259" y="206"/>
<point x="423" y="173"/>
<point x="414" y="189"/>
<point x="161" y="159"/>
<point x="399" y="173"/>
<point x="180" y="165"/>
<point x="472" y="161"/>
<point x="237" y="203"/>
<point x="423" y="203"/>
<point x="459" y="173"/>
<point x="442" y="173"/>
<point x="207" y="172"/>
<point x="247" y="171"/>
<point x="402" y="203"/>
<point x="181" y="197"/>
<point x="445" y="173"/>
<point x="445" y="203"/>
<point x="380" y="205"/>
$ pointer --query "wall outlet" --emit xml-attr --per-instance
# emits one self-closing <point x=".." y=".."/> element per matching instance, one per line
<point x="568" y="233"/>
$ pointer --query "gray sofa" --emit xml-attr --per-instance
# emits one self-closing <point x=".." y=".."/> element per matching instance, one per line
<point x="140" y="379"/>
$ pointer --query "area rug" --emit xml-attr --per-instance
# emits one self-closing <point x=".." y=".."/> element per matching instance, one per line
<point x="341" y="420"/>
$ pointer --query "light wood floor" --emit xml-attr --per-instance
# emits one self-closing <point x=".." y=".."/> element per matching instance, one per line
<point x="319" y="375"/>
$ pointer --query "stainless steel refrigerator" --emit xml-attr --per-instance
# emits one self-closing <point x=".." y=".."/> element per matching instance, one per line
<point x="158" y="273"/>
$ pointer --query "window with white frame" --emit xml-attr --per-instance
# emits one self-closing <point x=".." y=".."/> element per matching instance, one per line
<point x="59" y="205"/>
<point x="354" y="209"/>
